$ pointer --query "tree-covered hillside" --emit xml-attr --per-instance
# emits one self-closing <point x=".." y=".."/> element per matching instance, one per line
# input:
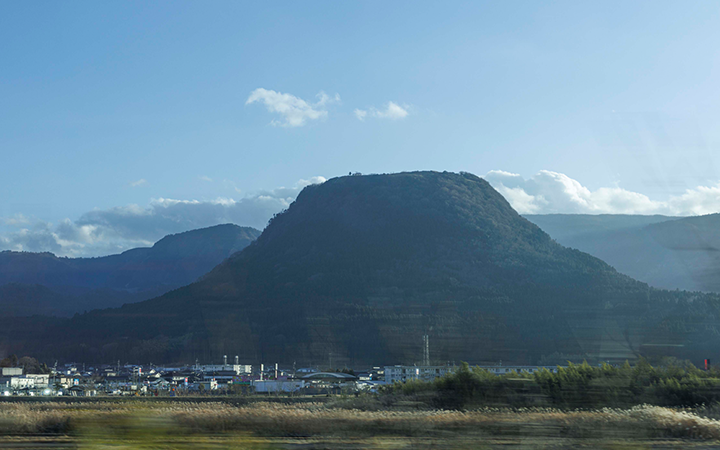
<point x="360" y="267"/>
<point x="41" y="283"/>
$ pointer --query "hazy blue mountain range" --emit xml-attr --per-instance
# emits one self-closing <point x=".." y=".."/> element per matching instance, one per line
<point x="42" y="283"/>
<point x="360" y="267"/>
<point x="665" y="252"/>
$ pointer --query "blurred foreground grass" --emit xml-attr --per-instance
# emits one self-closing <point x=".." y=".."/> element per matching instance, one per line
<point x="345" y="424"/>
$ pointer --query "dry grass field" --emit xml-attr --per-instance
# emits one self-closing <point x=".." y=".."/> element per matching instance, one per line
<point x="215" y="425"/>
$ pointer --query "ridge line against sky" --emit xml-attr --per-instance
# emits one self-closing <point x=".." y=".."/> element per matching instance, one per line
<point x="110" y="109"/>
<point x="109" y="231"/>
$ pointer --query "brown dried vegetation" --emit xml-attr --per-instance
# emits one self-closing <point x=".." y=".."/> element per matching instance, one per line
<point x="320" y="420"/>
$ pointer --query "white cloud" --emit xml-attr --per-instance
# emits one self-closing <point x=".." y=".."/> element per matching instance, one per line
<point x="138" y="183"/>
<point x="38" y="237"/>
<point x="16" y="220"/>
<point x="552" y="192"/>
<point x="312" y="180"/>
<point x="206" y="178"/>
<point x="324" y="99"/>
<point x="117" y="229"/>
<point x="102" y="232"/>
<point x="392" y="111"/>
<point x="698" y="201"/>
<point x="295" y="112"/>
<point x="360" y="114"/>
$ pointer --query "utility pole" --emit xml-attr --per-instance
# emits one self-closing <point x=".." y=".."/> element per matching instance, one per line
<point x="426" y="350"/>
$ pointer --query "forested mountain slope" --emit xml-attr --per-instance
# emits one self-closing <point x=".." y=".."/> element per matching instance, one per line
<point x="42" y="283"/>
<point x="360" y="267"/>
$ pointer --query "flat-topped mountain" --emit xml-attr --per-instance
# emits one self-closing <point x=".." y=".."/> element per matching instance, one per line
<point x="359" y="268"/>
<point x="42" y="283"/>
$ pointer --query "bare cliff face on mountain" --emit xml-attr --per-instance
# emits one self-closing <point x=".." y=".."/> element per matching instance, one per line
<point x="359" y="268"/>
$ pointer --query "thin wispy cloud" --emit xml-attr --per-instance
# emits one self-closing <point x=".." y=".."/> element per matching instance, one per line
<point x="206" y="178"/>
<point x="360" y="114"/>
<point x="138" y="183"/>
<point x="293" y="111"/>
<point x="16" y="220"/>
<point x="228" y="184"/>
<point x="391" y="111"/>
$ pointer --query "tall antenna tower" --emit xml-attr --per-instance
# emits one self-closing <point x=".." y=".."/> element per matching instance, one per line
<point x="426" y="350"/>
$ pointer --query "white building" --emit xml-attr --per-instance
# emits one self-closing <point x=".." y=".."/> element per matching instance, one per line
<point x="239" y="369"/>
<point x="428" y="373"/>
<point x="500" y="370"/>
<point x="41" y="380"/>
<point x="17" y="383"/>
<point x="223" y="376"/>
<point x="425" y="373"/>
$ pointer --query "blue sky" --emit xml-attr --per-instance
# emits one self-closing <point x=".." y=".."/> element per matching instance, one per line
<point x="122" y="121"/>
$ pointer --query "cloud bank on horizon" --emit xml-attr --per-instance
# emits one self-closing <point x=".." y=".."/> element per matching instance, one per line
<point x="550" y="192"/>
<point x="103" y="232"/>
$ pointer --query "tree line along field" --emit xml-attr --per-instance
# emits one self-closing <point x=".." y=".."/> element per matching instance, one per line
<point x="674" y="384"/>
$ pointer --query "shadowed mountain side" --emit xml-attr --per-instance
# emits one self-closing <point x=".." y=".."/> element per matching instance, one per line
<point x="41" y="283"/>
<point x="666" y="252"/>
<point x="30" y="299"/>
<point x="360" y="267"/>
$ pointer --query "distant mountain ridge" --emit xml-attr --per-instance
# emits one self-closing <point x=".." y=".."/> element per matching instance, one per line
<point x="571" y="225"/>
<point x="42" y="283"/>
<point x="666" y="252"/>
<point x="359" y="268"/>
